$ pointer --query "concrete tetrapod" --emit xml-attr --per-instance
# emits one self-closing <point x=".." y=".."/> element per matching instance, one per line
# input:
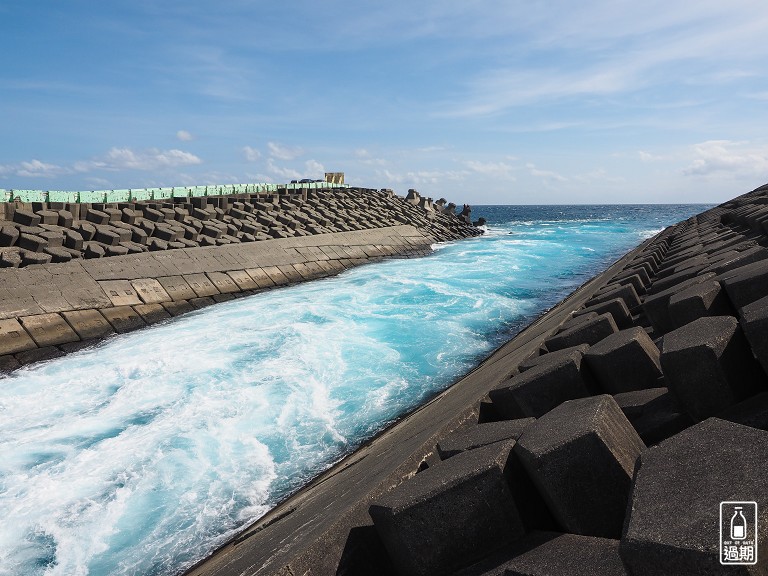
<point x="580" y="456"/>
<point x="673" y="522"/>
<point x="451" y="514"/>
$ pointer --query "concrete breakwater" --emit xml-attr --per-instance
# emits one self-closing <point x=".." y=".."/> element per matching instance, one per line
<point x="74" y="273"/>
<point x="601" y="439"/>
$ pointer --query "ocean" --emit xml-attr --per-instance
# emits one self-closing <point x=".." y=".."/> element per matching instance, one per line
<point x="145" y="453"/>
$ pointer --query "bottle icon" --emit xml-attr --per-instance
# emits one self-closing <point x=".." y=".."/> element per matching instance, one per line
<point x="738" y="525"/>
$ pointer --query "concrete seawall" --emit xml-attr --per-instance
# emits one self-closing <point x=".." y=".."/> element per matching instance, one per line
<point x="143" y="263"/>
<point x="600" y="439"/>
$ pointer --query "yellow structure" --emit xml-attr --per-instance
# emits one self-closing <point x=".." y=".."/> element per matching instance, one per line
<point x="334" y="177"/>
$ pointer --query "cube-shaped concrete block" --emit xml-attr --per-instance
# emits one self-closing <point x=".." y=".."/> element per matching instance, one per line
<point x="754" y="322"/>
<point x="481" y="435"/>
<point x="581" y="456"/>
<point x="703" y="299"/>
<point x="708" y="365"/>
<point x="451" y="514"/>
<point x="656" y="306"/>
<point x="655" y="413"/>
<point x="535" y="392"/>
<point x="746" y="284"/>
<point x="625" y="361"/>
<point x="535" y="360"/>
<point x="123" y="319"/>
<point x="589" y="332"/>
<point x="617" y="309"/>
<point x="673" y="523"/>
<point x="13" y="337"/>
<point x="570" y="555"/>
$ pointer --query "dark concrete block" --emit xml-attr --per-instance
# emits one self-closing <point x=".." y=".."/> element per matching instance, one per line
<point x="39" y="355"/>
<point x="746" y="284"/>
<point x="31" y="242"/>
<point x="29" y="258"/>
<point x="702" y="299"/>
<point x="654" y="413"/>
<point x="8" y="364"/>
<point x="451" y="514"/>
<point x="708" y="365"/>
<point x="481" y="435"/>
<point x="535" y="360"/>
<point x="93" y="250"/>
<point x="73" y="240"/>
<point x="8" y="235"/>
<point x="85" y="229"/>
<point x="624" y="291"/>
<point x="177" y="308"/>
<point x="96" y="216"/>
<point x="152" y="313"/>
<point x="535" y="392"/>
<point x="562" y="452"/>
<point x="625" y="361"/>
<point x="202" y="302"/>
<point x="48" y="329"/>
<point x="26" y="218"/>
<point x="570" y="555"/>
<point x="754" y="322"/>
<point x="616" y="308"/>
<point x="750" y="412"/>
<point x="123" y="319"/>
<point x="673" y="518"/>
<point x="656" y="306"/>
<point x="13" y="337"/>
<point x="88" y="324"/>
<point x="589" y="332"/>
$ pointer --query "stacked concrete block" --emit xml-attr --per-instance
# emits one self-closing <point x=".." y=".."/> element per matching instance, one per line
<point x="451" y="514"/>
<point x="708" y="365"/>
<point x="673" y="524"/>
<point x="580" y="456"/>
<point x="114" y="230"/>
<point x="538" y="390"/>
<point x="625" y="361"/>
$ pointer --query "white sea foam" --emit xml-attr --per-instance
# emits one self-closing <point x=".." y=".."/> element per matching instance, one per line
<point x="143" y="454"/>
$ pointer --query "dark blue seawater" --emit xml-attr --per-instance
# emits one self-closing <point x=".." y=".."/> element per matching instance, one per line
<point x="145" y="453"/>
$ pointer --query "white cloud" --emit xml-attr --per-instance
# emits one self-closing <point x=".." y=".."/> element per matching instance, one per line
<point x="362" y="153"/>
<point x="648" y="157"/>
<point x="725" y="156"/>
<point x="34" y="169"/>
<point x="496" y="169"/>
<point x="284" y="152"/>
<point x="546" y="174"/>
<point x="184" y="136"/>
<point x="422" y="176"/>
<point x="282" y="172"/>
<point x="117" y="159"/>
<point x="315" y="169"/>
<point x="251" y="154"/>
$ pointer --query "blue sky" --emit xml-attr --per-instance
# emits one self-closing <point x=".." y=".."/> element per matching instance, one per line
<point x="478" y="101"/>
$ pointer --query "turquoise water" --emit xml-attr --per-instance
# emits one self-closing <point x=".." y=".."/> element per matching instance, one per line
<point x="143" y="454"/>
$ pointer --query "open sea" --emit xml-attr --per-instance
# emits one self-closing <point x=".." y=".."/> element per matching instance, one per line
<point x="142" y="455"/>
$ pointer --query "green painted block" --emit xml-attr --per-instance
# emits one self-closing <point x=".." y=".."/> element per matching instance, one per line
<point x="5" y="195"/>
<point x="29" y="195"/>
<point x="162" y="193"/>
<point x="63" y="196"/>
<point x="180" y="192"/>
<point x="138" y="194"/>
<point x="89" y="196"/>
<point x="114" y="196"/>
